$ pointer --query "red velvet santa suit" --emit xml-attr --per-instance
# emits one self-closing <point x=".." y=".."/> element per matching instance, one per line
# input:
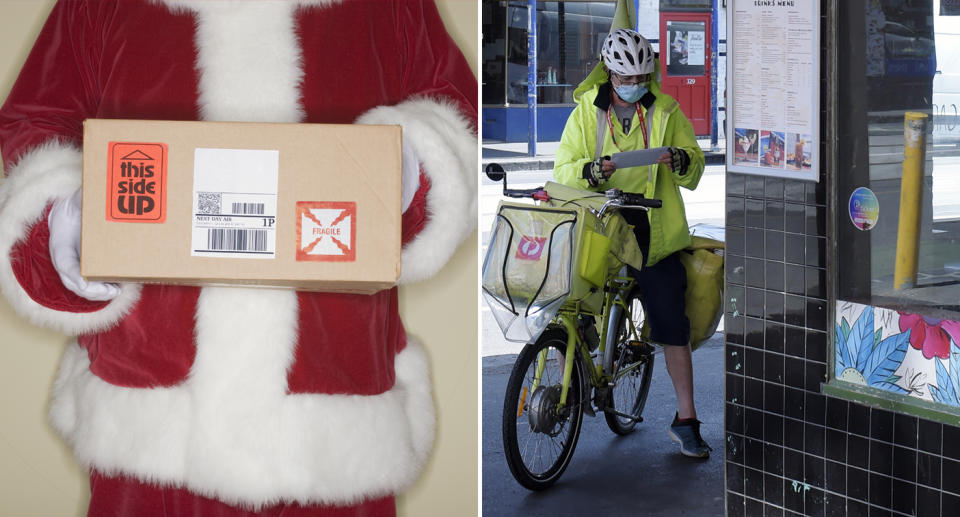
<point x="219" y="401"/>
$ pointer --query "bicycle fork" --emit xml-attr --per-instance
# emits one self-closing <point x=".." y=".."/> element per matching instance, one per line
<point x="569" y="355"/>
<point x="569" y="323"/>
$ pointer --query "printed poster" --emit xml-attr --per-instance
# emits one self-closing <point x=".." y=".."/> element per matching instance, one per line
<point x="773" y="83"/>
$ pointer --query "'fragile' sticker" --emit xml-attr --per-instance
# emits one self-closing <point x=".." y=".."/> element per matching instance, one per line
<point x="137" y="182"/>
<point x="327" y="231"/>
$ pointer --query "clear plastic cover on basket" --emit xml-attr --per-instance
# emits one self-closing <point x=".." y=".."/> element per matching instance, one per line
<point x="543" y="257"/>
<point x="527" y="270"/>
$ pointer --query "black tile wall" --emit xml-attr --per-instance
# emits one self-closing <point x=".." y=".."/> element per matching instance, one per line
<point x="790" y="449"/>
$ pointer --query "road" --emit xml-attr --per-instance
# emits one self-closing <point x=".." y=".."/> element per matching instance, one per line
<point x="642" y="473"/>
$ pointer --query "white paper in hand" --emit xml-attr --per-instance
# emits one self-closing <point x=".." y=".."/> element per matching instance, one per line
<point x="637" y="158"/>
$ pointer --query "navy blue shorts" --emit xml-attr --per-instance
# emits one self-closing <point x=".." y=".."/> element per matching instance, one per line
<point x="662" y="288"/>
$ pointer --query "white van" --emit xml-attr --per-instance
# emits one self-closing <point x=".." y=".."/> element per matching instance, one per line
<point x="946" y="82"/>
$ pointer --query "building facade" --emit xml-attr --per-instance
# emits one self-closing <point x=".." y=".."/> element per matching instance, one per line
<point x="842" y="378"/>
<point x="568" y="38"/>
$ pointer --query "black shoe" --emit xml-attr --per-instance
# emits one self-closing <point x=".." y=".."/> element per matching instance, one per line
<point x="687" y="434"/>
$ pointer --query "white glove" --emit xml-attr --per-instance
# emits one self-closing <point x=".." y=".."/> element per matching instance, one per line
<point x="410" y="179"/>
<point x="64" y="224"/>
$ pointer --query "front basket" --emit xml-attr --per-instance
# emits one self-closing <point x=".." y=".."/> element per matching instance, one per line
<point x="527" y="270"/>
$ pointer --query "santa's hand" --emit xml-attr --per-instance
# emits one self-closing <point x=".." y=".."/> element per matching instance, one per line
<point x="410" y="178"/>
<point x="64" y="224"/>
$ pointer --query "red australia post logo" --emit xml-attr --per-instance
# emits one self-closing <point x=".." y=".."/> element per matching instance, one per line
<point x="530" y="248"/>
<point x="327" y="231"/>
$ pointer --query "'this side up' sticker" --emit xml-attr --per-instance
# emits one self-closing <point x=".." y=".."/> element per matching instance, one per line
<point x="137" y="182"/>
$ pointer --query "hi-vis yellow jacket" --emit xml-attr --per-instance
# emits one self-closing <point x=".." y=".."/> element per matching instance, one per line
<point x="667" y="126"/>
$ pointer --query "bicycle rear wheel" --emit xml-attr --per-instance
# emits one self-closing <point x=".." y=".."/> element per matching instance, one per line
<point x="538" y="437"/>
<point x="631" y="365"/>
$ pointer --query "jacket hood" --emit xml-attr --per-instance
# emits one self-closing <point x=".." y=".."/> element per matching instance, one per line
<point x="599" y="75"/>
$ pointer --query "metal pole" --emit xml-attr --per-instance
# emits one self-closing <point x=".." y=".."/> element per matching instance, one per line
<point x="562" y="28"/>
<point x="714" y="48"/>
<point x="506" y="56"/>
<point x="911" y="198"/>
<point x="636" y="21"/>
<point x="532" y="77"/>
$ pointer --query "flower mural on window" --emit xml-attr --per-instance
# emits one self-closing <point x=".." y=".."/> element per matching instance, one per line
<point x="932" y="336"/>
<point x="909" y="354"/>
<point x="947" y="389"/>
<point x="862" y="357"/>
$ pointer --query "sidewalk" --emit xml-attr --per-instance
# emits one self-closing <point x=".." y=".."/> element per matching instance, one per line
<point x="513" y="155"/>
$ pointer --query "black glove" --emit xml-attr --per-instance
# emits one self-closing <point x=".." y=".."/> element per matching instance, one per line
<point x="679" y="160"/>
<point x="593" y="173"/>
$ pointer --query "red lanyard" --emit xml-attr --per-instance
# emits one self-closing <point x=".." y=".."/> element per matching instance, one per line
<point x="643" y="127"/>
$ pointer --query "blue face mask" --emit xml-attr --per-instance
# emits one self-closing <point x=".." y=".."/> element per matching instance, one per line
<point x="631" y="92"/>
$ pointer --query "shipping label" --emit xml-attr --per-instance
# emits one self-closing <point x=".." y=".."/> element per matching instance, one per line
<point x="235" y="203"/>
<point x="327" y="231"/>
<point x="137" y="182"/>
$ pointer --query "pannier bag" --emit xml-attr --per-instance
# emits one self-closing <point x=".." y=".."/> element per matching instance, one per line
<point x="703" y="260"/>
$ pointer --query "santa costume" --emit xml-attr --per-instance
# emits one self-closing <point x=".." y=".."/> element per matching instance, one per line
<point x="232" y="401"/>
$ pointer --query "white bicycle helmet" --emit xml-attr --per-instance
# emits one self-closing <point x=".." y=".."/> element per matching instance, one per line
<point x="626" y="52"/>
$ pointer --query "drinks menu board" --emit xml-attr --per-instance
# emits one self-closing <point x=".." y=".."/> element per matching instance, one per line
<point x="773" y="82"/>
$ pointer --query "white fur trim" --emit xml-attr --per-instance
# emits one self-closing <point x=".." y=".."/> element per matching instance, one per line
<point x="231" y="431"/>
<point x="46" y="173"/>
<point x="446" y="144"/>
<point x="249" y="61"/>
<point x="195" y="5"/>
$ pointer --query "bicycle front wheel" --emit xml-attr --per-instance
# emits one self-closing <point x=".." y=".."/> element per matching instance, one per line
<point x="539" y="436"/>
<point x="631" y="365"/>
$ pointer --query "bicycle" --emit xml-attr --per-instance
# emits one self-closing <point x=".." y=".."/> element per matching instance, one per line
<point x="567" y="367"/>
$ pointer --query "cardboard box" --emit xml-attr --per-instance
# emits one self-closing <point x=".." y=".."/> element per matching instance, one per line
<point x="308" y="206"/>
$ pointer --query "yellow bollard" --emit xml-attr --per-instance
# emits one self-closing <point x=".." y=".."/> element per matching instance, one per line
<point x="911" y="197"/>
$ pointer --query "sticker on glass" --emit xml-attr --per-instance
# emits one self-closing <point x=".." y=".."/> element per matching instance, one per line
<point x="864" y="208"/>
<point x="235" y="203"/>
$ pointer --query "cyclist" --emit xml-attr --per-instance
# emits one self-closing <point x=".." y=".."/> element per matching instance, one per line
<point x="625" y="110"/>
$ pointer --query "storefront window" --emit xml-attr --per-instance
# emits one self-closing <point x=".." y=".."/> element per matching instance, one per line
<point x="679" y="5"/>
<point x="898" y="284"/>
<point x="569" y="35"/>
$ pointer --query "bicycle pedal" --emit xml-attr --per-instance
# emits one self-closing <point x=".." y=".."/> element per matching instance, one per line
<point x="585" y="401"/>
<point x="639" y="349"/>
<point x="637" y="419"/>
<point x="588" y="409"/>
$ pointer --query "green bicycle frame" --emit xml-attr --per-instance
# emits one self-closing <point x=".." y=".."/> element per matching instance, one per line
<point x="616" y="294"/>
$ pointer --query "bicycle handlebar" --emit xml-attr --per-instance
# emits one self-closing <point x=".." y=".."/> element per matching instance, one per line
<point x="628" y="199"/>
<point x="522" y="192"/>
<point x="616" y="197"/>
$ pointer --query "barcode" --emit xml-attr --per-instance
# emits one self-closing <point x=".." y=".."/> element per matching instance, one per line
<point x="236" y="240"/>
<point x="247" y="208"/>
